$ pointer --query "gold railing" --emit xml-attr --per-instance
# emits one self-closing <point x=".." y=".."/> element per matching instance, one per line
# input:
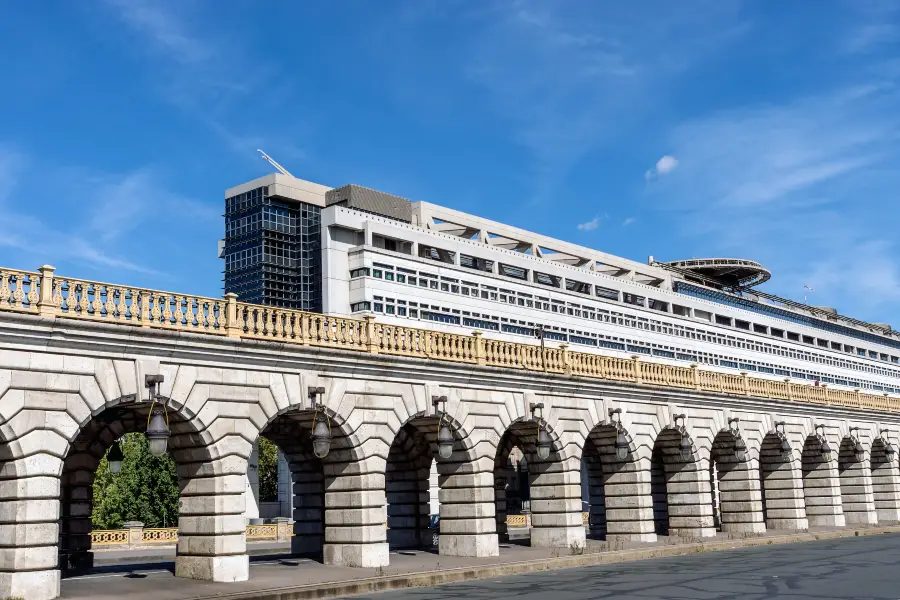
<point x="61" y="297"/>
<point x="109" y="537"/>
<point x="260" y="532"/>
<point x="167" y="535"/>
<point x="515" y="521"/>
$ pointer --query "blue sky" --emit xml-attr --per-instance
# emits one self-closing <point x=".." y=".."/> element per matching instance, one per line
<point x="763" y="130"/>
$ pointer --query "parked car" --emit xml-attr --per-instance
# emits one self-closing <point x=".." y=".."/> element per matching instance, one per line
<point x="434" y="526"/>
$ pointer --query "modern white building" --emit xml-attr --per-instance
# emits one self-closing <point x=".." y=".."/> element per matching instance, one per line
<point x="404" y="261"/>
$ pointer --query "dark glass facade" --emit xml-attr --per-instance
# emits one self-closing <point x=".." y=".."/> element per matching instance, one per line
<point x="273" y="250"/>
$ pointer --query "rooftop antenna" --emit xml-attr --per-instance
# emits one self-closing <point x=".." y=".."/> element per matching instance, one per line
<point x="274" y="163"/>
<point x="806" y="287"/>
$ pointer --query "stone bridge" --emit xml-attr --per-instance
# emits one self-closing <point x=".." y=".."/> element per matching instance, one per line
<point x="668" y="450"/>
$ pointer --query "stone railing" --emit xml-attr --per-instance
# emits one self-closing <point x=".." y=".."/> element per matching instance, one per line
<point x="133" y="535"/>
<point x="48" y="295"/>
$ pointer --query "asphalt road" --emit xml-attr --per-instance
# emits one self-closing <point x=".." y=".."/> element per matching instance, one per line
<point x="851" y="568"/>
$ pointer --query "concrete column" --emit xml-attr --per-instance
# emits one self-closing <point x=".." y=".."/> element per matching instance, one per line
<point x="252" y="485"/>
<point x="285" y="487"/>
<point x="556" y="520"/>
<point x="29" y="527"/>
<point x="355" y="514"/>
<point x="821" y="490"/>
<point x="468" y="526"/>
<point x="211" y="523"/>
<point x="76" y="507"/>
<point x="740" y="497"/>
<point x="785" y="507"/>
<point x="629" y="503"/>
<point x="857" y="499"/>
<point x="593" y="493"/>
<point x="309" y="505"/>
<point x="689" y="499"/>
<point x="885" y="488"/>
<point x="408" y="502"/>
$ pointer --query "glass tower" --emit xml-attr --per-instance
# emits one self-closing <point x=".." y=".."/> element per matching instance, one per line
<point x="273" y="250"/>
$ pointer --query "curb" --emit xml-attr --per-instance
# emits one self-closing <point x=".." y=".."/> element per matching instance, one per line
<point x="386" y="583"/>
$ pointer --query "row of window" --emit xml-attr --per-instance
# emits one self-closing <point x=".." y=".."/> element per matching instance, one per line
<point x="492" y="293"/>
<point x="581" y="287"/>
<point x="452" y="316"/>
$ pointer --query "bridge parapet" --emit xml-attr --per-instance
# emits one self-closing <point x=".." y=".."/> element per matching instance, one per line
<point x="46" y="294"/>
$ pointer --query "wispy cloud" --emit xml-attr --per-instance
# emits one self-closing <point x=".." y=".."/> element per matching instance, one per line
<point x="590" y="225"/>
<point x="572" y="78"/>
<point x="163" y="29"/>
<point x="104" y="219"/>
<point x="663" y="166"/>
<point x="628" y="221"/>
<point x="799" y="186"/>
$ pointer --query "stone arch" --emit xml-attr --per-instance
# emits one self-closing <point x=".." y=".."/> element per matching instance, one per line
<point x="783" y="503"/>
<point x="189" y="447"/>
<point x="680" y="489"/>
<point x="554" y="485"/>
<point x="735" y="488"/>
<point x="821" y="489"/>
<point x="511" y="489"/>
<point x="465" y="481"/>
<point x="885" y="483"/>
<point x="621" y="504"/>
<point x="337" y="501"/>
<point x="857" y="500"/>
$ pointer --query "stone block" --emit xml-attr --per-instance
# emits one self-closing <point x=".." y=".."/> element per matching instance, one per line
<point x="352" y="517"/>
<point x="27" y="511"/>
<point x="825" y="520"/>
<point x="213" y="505"/>
<point x="360" y="499"/>
<point x="210" y="486"/>
<point x="211" y="524"/>
<point x="556" y="492"/>
<point x="29" y="534"/>
<point x="32" y="585"/>
<point x="788" y="524"/>
<point x="482" y="525"/>
<point x="466" y="495"/>
<point x="481" y="545"/>
<point x="644" y="501"/>
<point x="307" y="544"/>
<point x="556" y="506"/>
<point x="744" y="527"/>
<point x="365" y="556"/>
<point x="562" y="519"/>
<point x="363" y="534"/>
<point x="213" y="568"/>
<point x="40" y="558"/>
<point x="212" y="545"/>
<point x="558" y="537"/>
<point x="468" y="511"/>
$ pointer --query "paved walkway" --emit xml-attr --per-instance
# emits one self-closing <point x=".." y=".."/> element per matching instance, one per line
<point x="155" y="580"/>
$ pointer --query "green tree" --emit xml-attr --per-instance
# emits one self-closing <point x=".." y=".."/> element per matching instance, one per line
<point x="146" y="489"/>
<point x="268" y="471"/>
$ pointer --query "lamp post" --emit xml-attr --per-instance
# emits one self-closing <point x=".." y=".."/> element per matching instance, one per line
<point x="623" y="440"/>
<point x="740" y="447"/>
<point x="686" y="445"/>
<point x="889" y="451"/>
<point x="445" y="436"/>
<point x="824" y="446"/>
<point x="544" y="442"/>
<point x="158" y="432"/>
<point x="858" y="451"/>
<point x="784" y="444"/>
<point x="115" y="457"/>
<point x="321" y="432"/>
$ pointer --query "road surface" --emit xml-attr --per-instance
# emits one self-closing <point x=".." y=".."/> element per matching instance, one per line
<point x="851" y="568"/>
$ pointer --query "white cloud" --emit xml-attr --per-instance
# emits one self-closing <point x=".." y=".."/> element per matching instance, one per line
<point x="590" y="225"/>
<point x="663" y="166"/>
<point x="628" y="221"/>
<point x="804" y="187"/>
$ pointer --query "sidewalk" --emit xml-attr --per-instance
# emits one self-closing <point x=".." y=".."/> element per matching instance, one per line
<point x="299" y="579"/>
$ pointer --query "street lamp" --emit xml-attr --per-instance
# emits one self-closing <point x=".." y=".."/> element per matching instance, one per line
<point x="889" y="451"/>
<point x="114" y="458"/>
<point x="740" y="447"/>
<point x="321" y="432"/>
<point x="858" y="450"/>
<point x="785" y="445"/>
<point x="824" y="446"/>
<point x="445" y="436"/>
<point x="686" y="445"/>
<point x="544" y="442"/>
<point x="158" y="432"/>
<point x="623" y="440"/>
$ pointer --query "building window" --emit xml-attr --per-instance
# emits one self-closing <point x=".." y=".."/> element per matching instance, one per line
<point x="514" y="272"/>
<point x="364" y="272"/>
<point x="633" y="299"/>
<point x="360" y="306"/>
